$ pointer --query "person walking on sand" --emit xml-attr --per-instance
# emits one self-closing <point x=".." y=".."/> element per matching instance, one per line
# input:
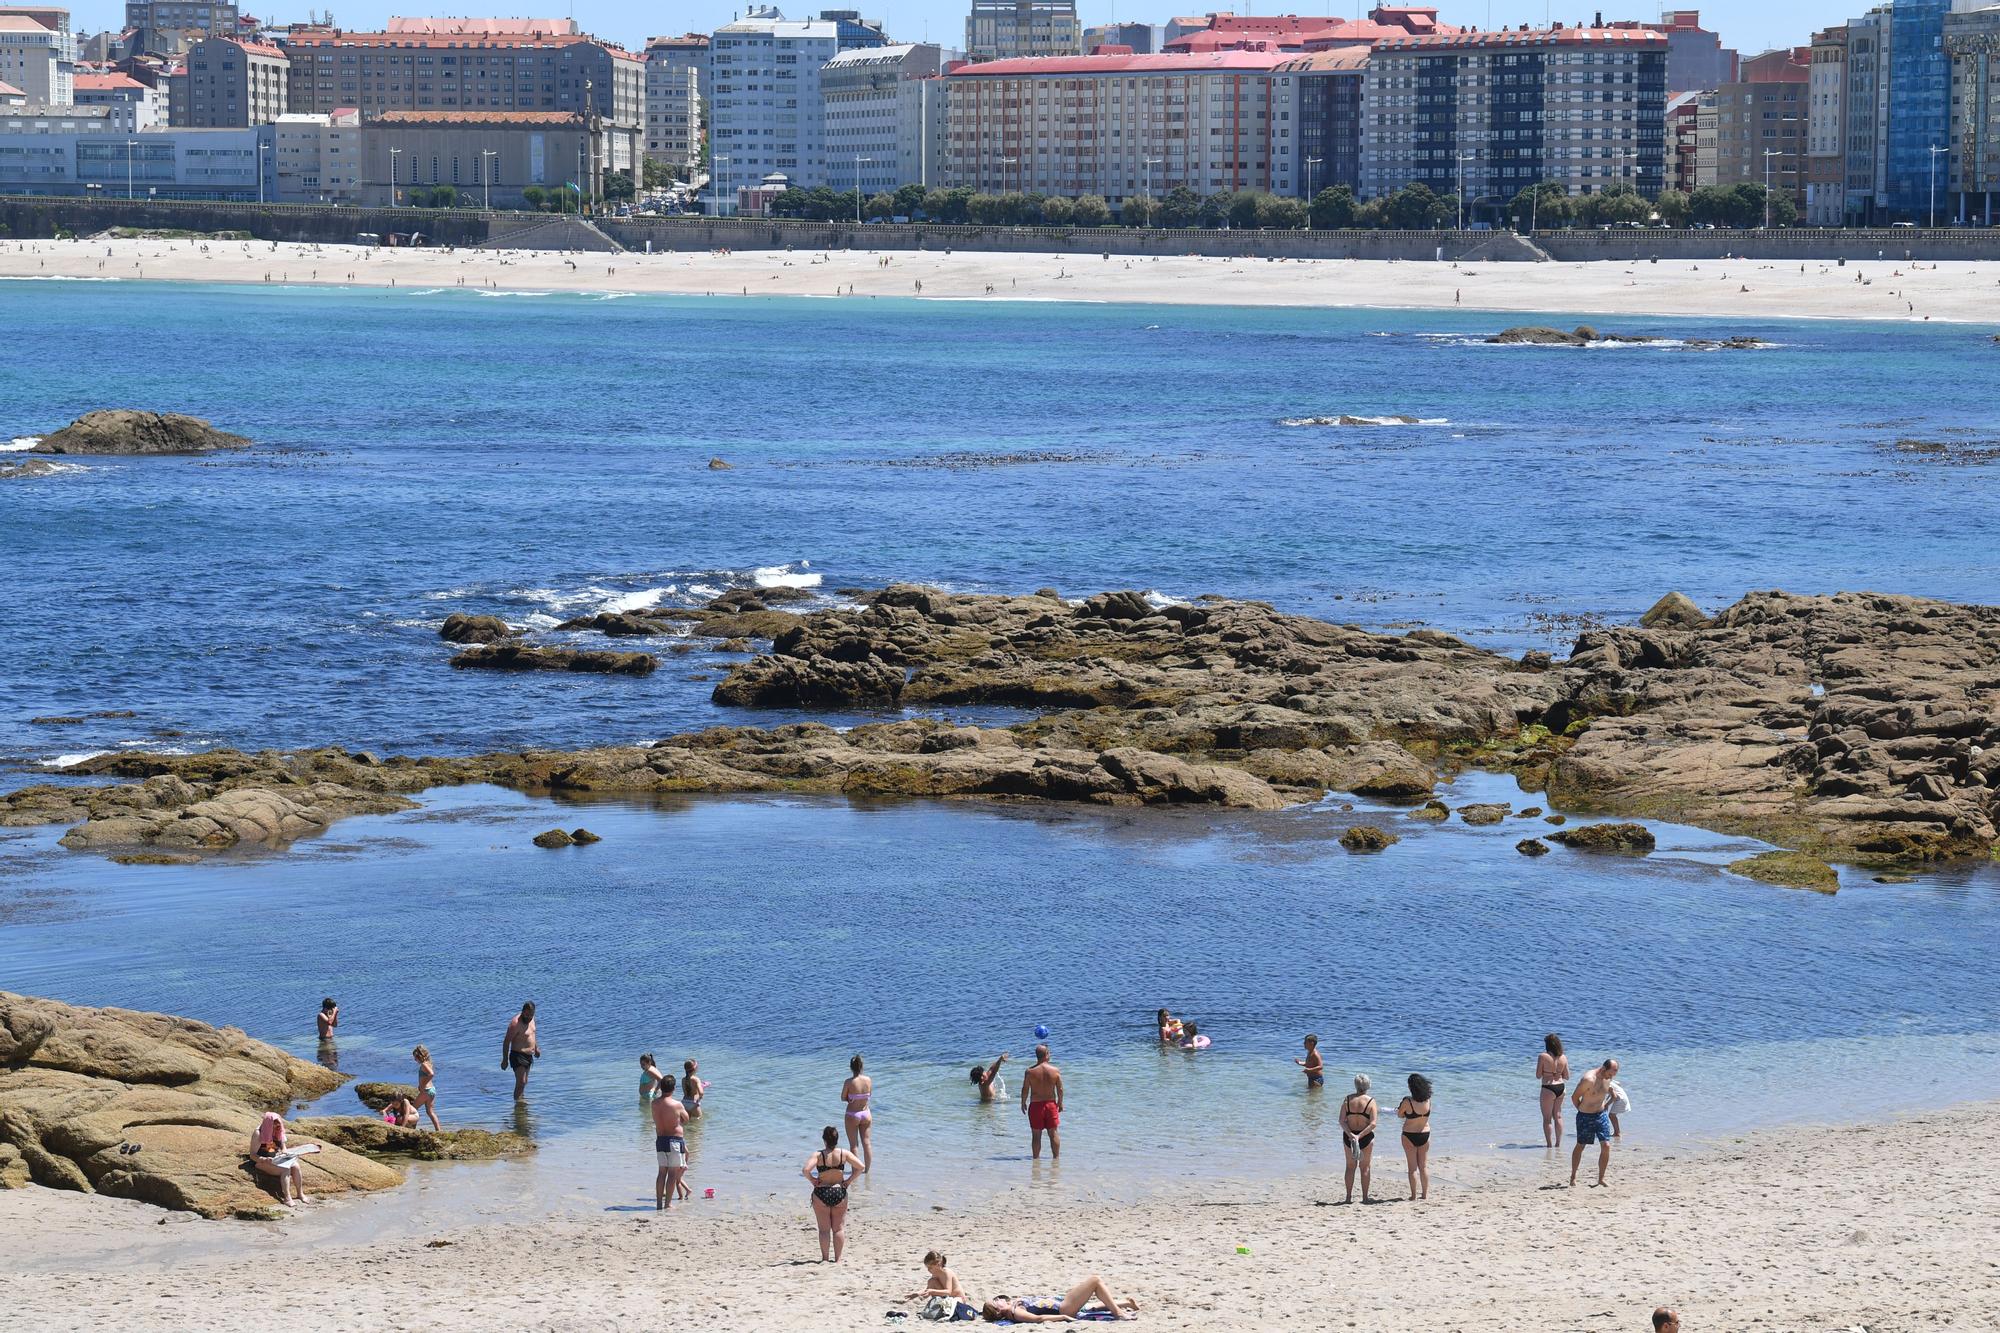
<point x="1552" y="1072"/>
<point x="856" y="1094"/>
<point x="1042" y="1103"/>
<point x="1593" y="1119"/>
<point x="1415" y="1110"/>
<point x="1358" y="1117"/>
<point x="426" y="1098"/>
<point x="520" y="1048"/>
<point x="987" y="1080"/>
<point x="1314" y="1066"/>
<point x="670" y="1148"/>
<point x="831" y="1170"/>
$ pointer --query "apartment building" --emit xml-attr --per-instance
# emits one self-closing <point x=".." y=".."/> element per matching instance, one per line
<point x="134" y="106"/>
<point x="169" y="27"/>
<point x="1972" y="179"/>
<point x="168" y="164"/>
<point x="1762" y="121"/>
<point x="1141" y="39"/>
<point x="482" y="153"/>
<point x="233" y="83"/>
<point x="1113" y="124"/>
<point x="1022" y="29"/>
<point x="1316" y="107"/>
<point x="317" y="158"/>
<point x="1487" y="114"/>
<point x="1696" y="58"/>
<point x="1826" y="130"/>
<point x="1684" y="141"/>
<point x="473" y="65"/>
<point x="675" y="73"/>
<point x="766" y="114"/>
<point x="38" y="53"/>
<point x="885" y="117"/>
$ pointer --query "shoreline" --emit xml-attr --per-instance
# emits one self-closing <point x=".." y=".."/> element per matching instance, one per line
<point x="1726" y="291"/>
<point x="1779" y="1229"/>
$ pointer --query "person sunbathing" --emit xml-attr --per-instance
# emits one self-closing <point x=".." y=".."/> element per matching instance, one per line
<point x="1048" y="1310"/>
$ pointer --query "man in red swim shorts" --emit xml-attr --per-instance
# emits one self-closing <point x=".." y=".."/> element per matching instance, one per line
<point x="1042" y="1099"/>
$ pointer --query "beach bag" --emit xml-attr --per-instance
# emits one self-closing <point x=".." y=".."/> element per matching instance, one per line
<point x="945" y="1309"/>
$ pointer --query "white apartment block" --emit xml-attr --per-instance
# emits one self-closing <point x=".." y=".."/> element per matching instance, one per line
<point x="885" y="118"/>
<point x="675" y="69"/>
<point x="1826" y="130"/>
<point x="1021" y="29"/>
<point x="318" y="158"/>
<point x="765" y="113"/>
<point x="38" y="54"/>
<point x="169" y="164"/>
<point x="133" y="105"/>
<point x="1113" y="125"/>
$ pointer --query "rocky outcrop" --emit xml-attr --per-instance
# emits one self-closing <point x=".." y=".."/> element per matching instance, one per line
<point x="1674" y="611"/>
<point x="241" y="816"/>
<point x="461" y="628"/>
<point x="30" y="468"/>
<point x="124" y="431"/>
<point x="151" y="1107"/>
<point x="377" y="1096"/>
<point x="1367" y="838"/>
<point x="1606" y="838"/>
<point x="514" y="656"/>
<point x="373" y="1137"/>
<point x="1532" y="847"/>
<point x="1793" y="870"/>
<point x="1482" y="813"/>
<point x="1583" y="336"/>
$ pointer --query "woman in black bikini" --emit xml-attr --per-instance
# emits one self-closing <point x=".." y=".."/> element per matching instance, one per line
<point x="1358" y="1114"/>
<point x="830" y="1169"/>
<point x="1416" y="1112"/>
<point x="1552" y="1072"/>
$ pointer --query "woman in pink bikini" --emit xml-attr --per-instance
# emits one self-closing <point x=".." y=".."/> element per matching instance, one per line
<point x="1552" y="1072"/>
<point x="855" y="1094"/>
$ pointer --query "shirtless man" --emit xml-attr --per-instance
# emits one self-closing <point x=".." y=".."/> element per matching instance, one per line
<point x="1592" y="1100"/>
<point x="669" y="1146"/>
<point x="328" y="1018"/>
<point x="519" y="1049"/>
<point x="1042" y="1100"/>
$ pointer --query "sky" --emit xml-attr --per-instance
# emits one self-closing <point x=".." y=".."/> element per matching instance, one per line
<point x="1749" y="25"/>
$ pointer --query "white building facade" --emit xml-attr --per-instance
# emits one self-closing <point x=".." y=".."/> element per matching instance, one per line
<point x="885" y="122"/>
<point x="167" y="164"/>
<point x="765" y="113"/>
<point x="38" y="54"/>
<point x="134" y="105"/>
<point x="318" y="158"/>
<point x="674" y="74"/>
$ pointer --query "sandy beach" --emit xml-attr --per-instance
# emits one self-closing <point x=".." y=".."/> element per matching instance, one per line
<point x="1717" y="289"/>
<point x="1880" y="1226"/>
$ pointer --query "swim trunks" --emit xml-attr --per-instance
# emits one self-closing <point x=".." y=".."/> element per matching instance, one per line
<point x="1315" y="1080"/>
<point x="1593" y="1127"/>
<point x="671" y="1149"/>
<point x="1044" y="1115"/>
<point x="519" y="1061"/>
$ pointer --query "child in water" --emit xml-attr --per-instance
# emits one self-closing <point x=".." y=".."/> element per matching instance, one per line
<point x="1191" y="1038"/>
<point x="1314" y="1066"/>
<point x="1170" y="1027"/>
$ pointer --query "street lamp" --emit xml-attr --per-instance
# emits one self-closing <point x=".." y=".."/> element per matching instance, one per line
<point x="1150" y="163"/>
<point x="858" y="160"/>
<point x="1463" y="158"/>
<point x="486" y="176"/>
<point x="130" y="144"/>
<point x="394" y="153"/>
<point x="1770" y="153"/>
<point x="262" y="149"/>
<point x="1935" y="150"/>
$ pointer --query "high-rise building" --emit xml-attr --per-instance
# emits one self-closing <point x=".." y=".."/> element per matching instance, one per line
<point x="169" y="27"/>
<point x="765" y="112"/>
<point x="440" y="65"/>
<point x="885" y="118"/>
<point x="1115" y="124"/>
<point x="318" y="158"/>
<point x="1485" y="115"/>
<point x="1141" y="39"/>
<point x="38" y="53"/>
<point x="1866" y="85"/>
<point x="1696" y="58"/>
<point x="1761" y="123"/>
<point x="1826" y="130"/>
<point x="1898" y="95"/>
<point x="1316" y="121"/>
<point x="233" y="83"/>
<point x="1972" y="45"/>
<point x="1684" y="141"/>
<point x="1022" y="29"/>
<point x="675" y="69"/>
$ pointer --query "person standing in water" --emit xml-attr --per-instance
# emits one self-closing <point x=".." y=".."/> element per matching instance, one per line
<point x="1314" y="1066"/>
<point x="1042" y="1103"/>
<point x="1552" y="1072"/>
<point x="328" y="1018"/>
<point x="649" y="1077"/>
<point x="987" y="1080"/>
<point x="670" y="1148"/>
<point x="1358" y="1116"/>
<point x="692" y="1090"/>
<point x="1415" y="1110"/>
<point x="1593" y="1119"/>
<point x="855" y="1095"/>
<point x="426" y="1098"/>
<point x="520" y="1048"/>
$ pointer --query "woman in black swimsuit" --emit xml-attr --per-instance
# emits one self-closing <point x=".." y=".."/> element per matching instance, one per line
<point x="830" y="1169"/>
<point x="1358" y="1114"/>
<point x="1552" y="1072"/>
<point x="1416" y="1112"/>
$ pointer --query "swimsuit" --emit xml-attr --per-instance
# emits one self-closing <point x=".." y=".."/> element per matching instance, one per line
<point x="831" y="1195"/>
<point x="1355" y="1145"/>
<point x="1416" y="1138"/>
<point x="670" y="1149"/>
<point x="1044" y="1115"/>
<point x="519" y="1061"/>
<point x="1593" y="1127"/>
<point x="860" y="1112"/>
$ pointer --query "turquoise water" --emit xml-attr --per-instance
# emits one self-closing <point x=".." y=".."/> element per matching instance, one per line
<point x="545" y="456"/>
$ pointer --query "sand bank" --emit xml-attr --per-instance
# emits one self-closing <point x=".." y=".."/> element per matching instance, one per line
<point x="1722" y="290"/>
<point x="1883" y="1226"/>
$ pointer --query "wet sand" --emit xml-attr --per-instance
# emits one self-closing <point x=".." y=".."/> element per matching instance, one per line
<point x="1722" y="290"/>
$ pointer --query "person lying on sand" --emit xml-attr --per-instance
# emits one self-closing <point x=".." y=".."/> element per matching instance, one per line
<point x="1048" y="1310"/>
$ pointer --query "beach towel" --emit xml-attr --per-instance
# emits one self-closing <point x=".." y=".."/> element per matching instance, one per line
<point x="1620" y="1103"/>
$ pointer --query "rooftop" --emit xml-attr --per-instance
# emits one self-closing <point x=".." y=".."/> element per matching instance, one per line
<point x="1345" y="57"/>
<point x="483" y="26"/>
<point x="1509" y="37"/>
<point x="1172" y="62"/>
<point x="106" y="83"/>
<point x="495" y="119"/>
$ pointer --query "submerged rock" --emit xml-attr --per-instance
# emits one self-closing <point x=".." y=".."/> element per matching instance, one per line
<point x="1582" y="336"/>
<point x="459" y="627"/>
<point x="1606" y="838"/>
<point x="1367" y="838"/>
<point x="1794" y="870"/>
<point x="512" y="656"/>
<point x="1432" y="810"/>
<point x="1482" y="813"/>
<point x="30" y="468"/>
<point x="554" y="838"/>
<point x="1532" y="847"/>
<point x="121" y="430"/>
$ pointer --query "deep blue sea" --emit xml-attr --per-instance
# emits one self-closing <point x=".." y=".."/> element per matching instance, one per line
<point x="543" y="456"/>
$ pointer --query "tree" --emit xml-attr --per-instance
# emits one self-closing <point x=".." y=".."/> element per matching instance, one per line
<point x="1333" y="209"/>
<point x="1017" y="208"/>
<point x="909" y="201"/>
<point x="1243" y="208"/>
<point x="950" y="206"/>
<point x="1214" y="211"/>
<point x="1415" y="207"/>
<point x="535" y="197"/>
<point x="1374" y="214"/>
<point x="1620" y="203"/>
<point x="1280" y="214"/>
<point x="881" y="206"/>
<point x="1181" y="208"/>
<point x="1058" y="211"/>
<point x="1711" y="206"/>
<point x="618" y="187"/>
<point x="1092" y="211"/>
<point x="658" y="175"/>
<point x="1784" y="209"/>
<point x="1545" y="205"/>
<point x="983" y="209"/>
<point x="1138" y="211"/>
<point x="790" y="204"/>
<point x="1672" y="206"/>
<point x="418" y="196"/>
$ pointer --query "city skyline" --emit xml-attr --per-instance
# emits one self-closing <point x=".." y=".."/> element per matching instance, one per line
<point x="1748" y="25"/>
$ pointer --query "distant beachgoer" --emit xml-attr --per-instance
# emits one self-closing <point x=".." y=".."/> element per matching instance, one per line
<point x="1191" y="1038"/>
<point x="692" y="1090"/>
<point x="1593" y="1120"/>
<point x="1415" y="1110"/>
<point x="1170" y="1027"/>
<point x="649" y="1077"/>
<point x="670" y="1148"/>
<point x="1314" y="1066"/>
<point x="267" y="1145"/>
<point x="855" y="1094"/>
<point x="401" y="1112"/>
<point x="1042" y="1102"/>
<point x="1048" y="1310"/>
<point x="938" y="1280"/>
<point x="987" y="1080"/>
<point x="1358" y="1117"/>
<point x="1619" y="1105"/>
<point x="328" y="1018"/>
<point x="1666" y="1321"/>
<point x="520" y="1048"/>
<point x="831" y="1170"/>
<point x="426" y="1097"/>
<point x="1552" y="1072"/>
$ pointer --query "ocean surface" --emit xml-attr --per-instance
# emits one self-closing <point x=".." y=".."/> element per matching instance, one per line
<point x="540" y="456"/>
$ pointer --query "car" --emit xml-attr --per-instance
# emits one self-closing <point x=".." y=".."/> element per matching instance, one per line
<point x="1902" y="224"/>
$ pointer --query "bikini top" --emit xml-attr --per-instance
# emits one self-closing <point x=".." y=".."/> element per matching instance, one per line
<point x="1408" y="1110"/>
<point x="861" y="1097"/>
<point x="1347" y="1108"/>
